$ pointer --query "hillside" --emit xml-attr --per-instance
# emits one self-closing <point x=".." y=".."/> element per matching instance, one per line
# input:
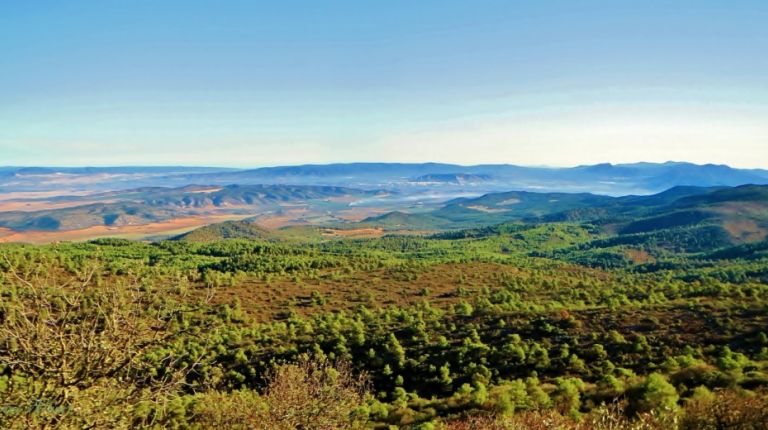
<point x="495" y="208"/>
<point x="682" y="218"/>
<point x="498" y="207"/>
<point x="404" y="221"/>
<point x="153" y="204"/>
<point x="227" y="230"/>
<point x="544" y="318"/>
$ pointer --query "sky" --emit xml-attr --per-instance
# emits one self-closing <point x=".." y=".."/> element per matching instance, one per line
<point x="258" y="83"/>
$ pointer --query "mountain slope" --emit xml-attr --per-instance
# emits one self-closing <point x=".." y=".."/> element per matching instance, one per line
<point x="227" y="230"/>
<point x="704" y="217"/>
<point x="404" y="221"/>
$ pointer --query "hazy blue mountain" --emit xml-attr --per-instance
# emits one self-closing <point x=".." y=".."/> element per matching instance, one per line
<point x="640" y="178"/>
<point x="412" y="179"/>
<point x="15" y="179"/>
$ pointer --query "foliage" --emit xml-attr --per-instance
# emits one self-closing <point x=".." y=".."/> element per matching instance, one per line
<point x="500" y="326"/>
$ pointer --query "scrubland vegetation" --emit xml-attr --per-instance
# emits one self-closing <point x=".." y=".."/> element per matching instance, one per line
<point x="541" y="326"/>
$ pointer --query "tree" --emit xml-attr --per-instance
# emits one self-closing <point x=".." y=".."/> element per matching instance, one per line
<point x="77" y="355"/>
<point x="394" y="348"/>
<point x="567" y="396"/>
<point x="656" y="394"/>
<point x="310" y="394"/>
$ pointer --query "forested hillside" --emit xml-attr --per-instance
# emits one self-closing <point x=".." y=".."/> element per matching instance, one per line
<point x="508" y="327"/>
<point x="681" y="218"/>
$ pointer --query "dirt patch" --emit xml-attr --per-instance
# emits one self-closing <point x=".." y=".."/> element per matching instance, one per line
<point x="358" y="233"/>
<point x="486" y="209"/>
<point x="745" y="230"/>
<point x="357" y="213"/>
<point x="283" y="218"/>
<point x="638" y="256"/>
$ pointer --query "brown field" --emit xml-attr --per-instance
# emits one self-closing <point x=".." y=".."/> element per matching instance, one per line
<point x="137" y="232"/>
<point x="301" y="214"/>
<point x="16" y="195"/>
<point x="40" y="205"/>
<point x="359" y="213"/>
<point x="5" y="232"/>
<point x="357" y="233"/>
<point x="29" y="201"/>
<point x="370" y="233"/>
<point x="286" y="217"/>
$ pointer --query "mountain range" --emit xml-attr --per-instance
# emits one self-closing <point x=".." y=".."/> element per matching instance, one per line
<point x="424" y="197"/>
<point x="610" y="179"/>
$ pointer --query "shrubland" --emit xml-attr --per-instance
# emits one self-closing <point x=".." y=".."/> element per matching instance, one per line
<point x="550" y="326"/>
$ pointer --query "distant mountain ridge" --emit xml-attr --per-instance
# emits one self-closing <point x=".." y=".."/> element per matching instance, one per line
<point x="605" y="178"/>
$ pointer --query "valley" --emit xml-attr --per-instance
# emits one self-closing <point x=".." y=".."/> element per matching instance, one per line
<point x="46" y="204"/>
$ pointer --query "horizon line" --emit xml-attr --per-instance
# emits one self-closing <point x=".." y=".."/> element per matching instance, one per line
<point x="255" y="167"/>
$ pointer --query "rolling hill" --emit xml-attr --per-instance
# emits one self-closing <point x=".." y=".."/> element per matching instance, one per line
<point x="146" y="205"/>
<point x="227" y="230"/>
<point x="705" y="218"/>
<point x="405" y="221"/>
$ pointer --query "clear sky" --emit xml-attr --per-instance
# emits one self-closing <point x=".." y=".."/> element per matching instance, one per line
<point x="253" y="83"/>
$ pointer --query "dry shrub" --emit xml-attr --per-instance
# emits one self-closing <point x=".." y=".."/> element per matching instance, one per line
<point x="727" y="410"/>
<point x="69" y="350"/>
<point x="610" y="417"/>
<point x="311" y="394"/>
<point x="536" y="420"/>
<point x="237" y="410"/>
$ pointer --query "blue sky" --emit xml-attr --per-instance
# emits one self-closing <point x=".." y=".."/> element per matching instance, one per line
<point x="253" y="83"/>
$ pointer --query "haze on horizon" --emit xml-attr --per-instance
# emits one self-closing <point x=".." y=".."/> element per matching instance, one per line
<point x="246" y="84"/>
